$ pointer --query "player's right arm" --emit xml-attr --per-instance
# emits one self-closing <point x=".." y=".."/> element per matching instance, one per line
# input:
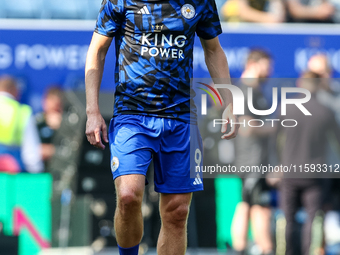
<point x="95" y="125"/>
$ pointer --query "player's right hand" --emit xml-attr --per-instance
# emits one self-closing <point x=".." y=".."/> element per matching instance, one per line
<point x="95" y="129"/>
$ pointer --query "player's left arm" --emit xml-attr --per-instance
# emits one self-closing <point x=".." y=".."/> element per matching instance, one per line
<point x="217" y="64"/>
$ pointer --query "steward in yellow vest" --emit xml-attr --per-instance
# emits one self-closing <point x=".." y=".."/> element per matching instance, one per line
<point x="14" y="118"/>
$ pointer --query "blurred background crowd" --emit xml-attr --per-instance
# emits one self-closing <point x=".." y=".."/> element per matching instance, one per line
<point x="265" y="11"/>
<point x="57" y="191"/>
<point x="286" y="212"/>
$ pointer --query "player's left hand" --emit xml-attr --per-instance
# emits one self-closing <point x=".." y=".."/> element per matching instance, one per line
<point x="230" y="117"/>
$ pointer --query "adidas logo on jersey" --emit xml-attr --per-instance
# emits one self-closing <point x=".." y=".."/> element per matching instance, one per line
<point x="144" y="10"/>
<point x="197" y="180"/>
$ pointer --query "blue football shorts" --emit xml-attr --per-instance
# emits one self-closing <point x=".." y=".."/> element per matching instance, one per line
<point x="174" y="146"/>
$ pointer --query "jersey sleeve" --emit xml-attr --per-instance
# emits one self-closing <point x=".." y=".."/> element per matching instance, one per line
<point x="110" y="17"/>
<point x="209" y="25"/>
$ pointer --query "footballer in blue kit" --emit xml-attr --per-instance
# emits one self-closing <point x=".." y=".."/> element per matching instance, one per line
<point x="154" y="114"/>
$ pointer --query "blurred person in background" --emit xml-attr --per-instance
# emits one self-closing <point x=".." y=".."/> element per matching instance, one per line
<point x="305" y="144"/>
<point x="318" y="64"/>
<point x="310" y="11"/>
<point x="251" y="150"/>
<point x="263" y="11"/>
<point x="19" y="140"/>
<point x="49" y="121"/>
<point x="330" y="98"/>
<point x="328" y="93"/>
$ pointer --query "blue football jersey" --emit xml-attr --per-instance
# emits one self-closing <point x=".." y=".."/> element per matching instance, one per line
<point x="154" y="49"/>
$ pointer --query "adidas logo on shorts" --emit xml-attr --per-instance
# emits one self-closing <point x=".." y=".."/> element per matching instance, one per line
<point x="197" y="180"/>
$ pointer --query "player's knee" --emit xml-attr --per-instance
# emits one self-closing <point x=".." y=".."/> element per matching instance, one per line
<point x="129" y="201"/>
<point x="176" y="215"/>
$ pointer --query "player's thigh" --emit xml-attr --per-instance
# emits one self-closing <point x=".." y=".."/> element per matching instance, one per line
<point x="132" y="142"/>
<point x="175" y="163"/>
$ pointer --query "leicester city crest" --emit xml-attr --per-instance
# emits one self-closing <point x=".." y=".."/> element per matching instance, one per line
<point x="188" y="11"/>
<point x="114" y="164"/>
